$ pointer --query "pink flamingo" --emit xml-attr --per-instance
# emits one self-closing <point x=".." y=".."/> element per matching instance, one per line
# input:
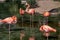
<point x="22" y="34"/>
<point x="9" y="20"/>
<point x="30" y="11"/>
<point x="47" y="29"/>
<point x="21" y="11"/>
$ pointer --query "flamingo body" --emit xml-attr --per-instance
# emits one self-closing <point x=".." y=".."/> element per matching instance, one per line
<point x="31" y="11"/>
<point x="46" y="28"/>
<point x="10" y="20"/>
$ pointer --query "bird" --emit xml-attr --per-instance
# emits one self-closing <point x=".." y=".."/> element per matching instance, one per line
<point x="31" y="12"/>
<point x="9" y="20"/>
<point x="46" y="29"/>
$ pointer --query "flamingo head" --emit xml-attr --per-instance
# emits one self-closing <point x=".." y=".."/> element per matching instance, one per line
<point x="14" y="19"/>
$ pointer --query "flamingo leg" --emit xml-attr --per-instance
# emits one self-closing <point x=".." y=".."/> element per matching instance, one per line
<point x="9" y="31"/>
<point x="47" y="37"/>
<point x="45" y="20"/>
<point x="33" y="25"/>
<point x="47" y="23"/>
<point x="22" y="27"/>
<point x="22" y="21"/>
<point x="30" y="23"/>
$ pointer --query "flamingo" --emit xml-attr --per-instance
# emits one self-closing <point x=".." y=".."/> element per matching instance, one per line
<point x="30" y="11"/>
<point x="21" y="11"/>
<point x="9" y="20"/>
<point x="47" y="29"/>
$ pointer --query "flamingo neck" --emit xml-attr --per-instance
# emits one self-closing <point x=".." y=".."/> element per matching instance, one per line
<point x="27" y="8"/>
